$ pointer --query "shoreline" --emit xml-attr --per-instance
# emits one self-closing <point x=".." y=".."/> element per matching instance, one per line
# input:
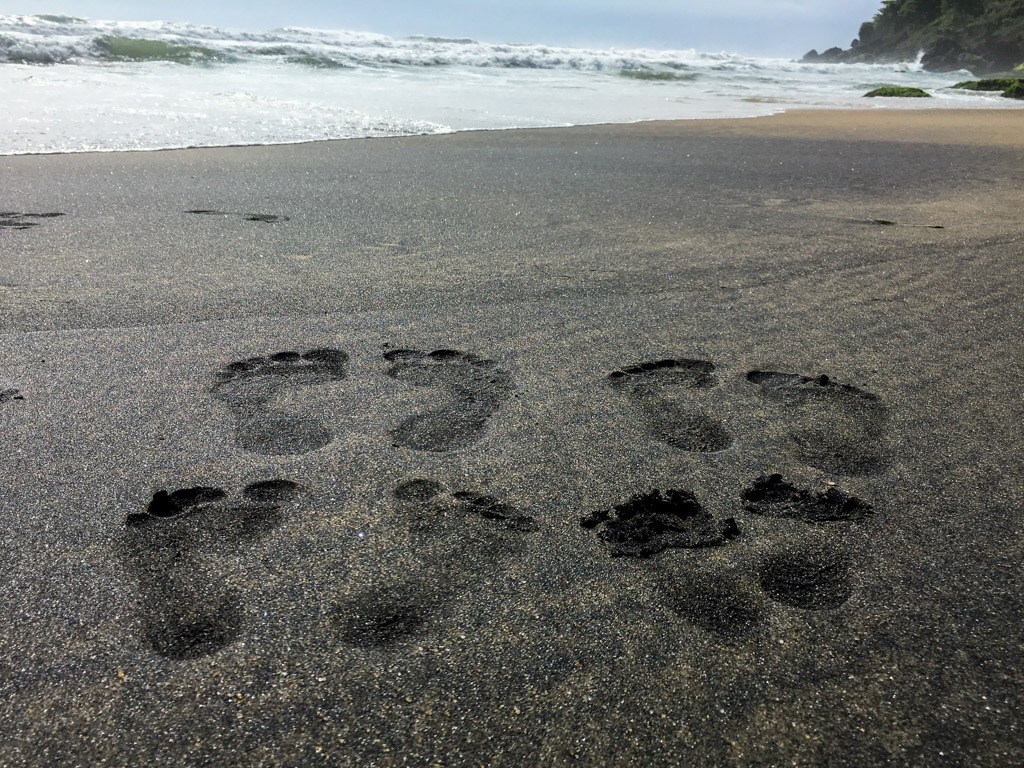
<point x="825" y="122"/>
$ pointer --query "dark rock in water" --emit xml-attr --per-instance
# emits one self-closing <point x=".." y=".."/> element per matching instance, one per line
<point x="831" y="55"/>
<point x="947" y="55"/>
<point x="1012" y="87"/>
<point x="1015" y="91"/>
<point x="989" y="84"/>
<point x="898" y="91"/>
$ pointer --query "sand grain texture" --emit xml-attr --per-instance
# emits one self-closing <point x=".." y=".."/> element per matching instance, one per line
<point x="303" y="484"/>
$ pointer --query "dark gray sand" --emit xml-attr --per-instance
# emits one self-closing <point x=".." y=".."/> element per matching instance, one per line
<point x="672" y="444"/>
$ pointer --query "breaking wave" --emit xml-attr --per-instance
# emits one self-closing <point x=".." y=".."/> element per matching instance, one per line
<point x="50" y="39"/>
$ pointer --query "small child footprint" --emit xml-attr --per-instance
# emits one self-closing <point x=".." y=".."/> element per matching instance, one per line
<point x="651" y="522"/>
<point x="835" y="427"/>
<point x="429" y="508"/>
<point x="663" y="392"/>
<point x="380" y="618"/>
<point x="715" y="601"/>
<point x="474" y="389"/>
<point x="249" y="387"/>
<point x="186" y="615"/>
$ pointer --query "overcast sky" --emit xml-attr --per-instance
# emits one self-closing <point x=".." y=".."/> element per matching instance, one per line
<point x="759" y="27"/>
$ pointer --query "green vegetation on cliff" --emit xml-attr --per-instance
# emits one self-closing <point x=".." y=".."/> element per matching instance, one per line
<point x="981" y="36"/>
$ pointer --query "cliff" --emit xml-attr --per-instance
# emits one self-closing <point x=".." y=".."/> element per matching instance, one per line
<point x="982" y="36"/>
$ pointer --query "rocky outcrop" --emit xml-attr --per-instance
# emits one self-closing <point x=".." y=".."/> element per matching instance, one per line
<point x="898" y="92"/>
<point x="981" y="36"/>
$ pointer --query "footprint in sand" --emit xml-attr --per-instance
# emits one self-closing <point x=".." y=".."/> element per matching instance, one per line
<point x="430" y="509"/>
<point x="9" y="395"/>
<point x="265" y="218"/>
<point x="835" y="427"/>
<point x="649" y="523"/>
<point x="13" y="220"/>
<point x="714" y="599"/>
<point x="809" y="579"/>
<point x="389" y="616"/>
<point x="655" y="521"/>
<point x="168" y="548"/>
<point x="667" y="394"/>
<point x="771" y="496"/>
<point x="459" y="537"/>
<point x="812" y="578"/>
<point x="249" y="387"/>
<point x="473" y="389"/>
<point x="716" y="602"/>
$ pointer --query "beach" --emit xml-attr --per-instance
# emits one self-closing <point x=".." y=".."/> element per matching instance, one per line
<point x="345" y="453"/>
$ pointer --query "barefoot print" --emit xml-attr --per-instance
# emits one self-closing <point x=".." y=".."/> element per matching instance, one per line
<point x="655" y="521"/>
<point x="9" y="395"/>
<point x="380" y="618"/>
<point x="813" y="580"/>
<point x="425" y="503"/>
<point x="835" y="427"/>
<point x="461" y="537"/>
<point x="473" y="389"/>
<point x="249" y="387"/>
<point x="772" y="496"/>
<point x="167" y="547"/>
<point x="651" y="522"/>
<point x="266" y="218"/>
<point x="733" y="606"/>
<point x="12" y="220"/>
<point x="666" y="394"/>
<point x="715" y="602"/>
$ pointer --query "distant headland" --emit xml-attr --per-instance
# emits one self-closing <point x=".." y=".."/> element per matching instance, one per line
<point x="982" y="36"/>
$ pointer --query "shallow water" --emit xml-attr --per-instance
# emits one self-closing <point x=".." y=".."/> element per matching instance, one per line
<point x="71" y="85"/>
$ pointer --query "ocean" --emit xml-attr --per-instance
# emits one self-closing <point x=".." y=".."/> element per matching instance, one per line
<point x="78" y="85"/>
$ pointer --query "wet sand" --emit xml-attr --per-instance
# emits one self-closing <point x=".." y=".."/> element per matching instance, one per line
<point x="688" y="443"/>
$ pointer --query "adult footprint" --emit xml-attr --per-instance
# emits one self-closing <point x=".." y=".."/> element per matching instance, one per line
<point x="811" y="580"/>
<point x="835" y="427"/>
<point x="266" y="218"/>
<point x="474" y="389"/>
<point x="13" y="220"/>
<point x="666" y="395"/>
<point x="250" y="386"/>
<point x="8" y="395"/>
<point x="167" y="547"/>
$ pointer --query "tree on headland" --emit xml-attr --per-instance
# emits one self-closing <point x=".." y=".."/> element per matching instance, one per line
<point x="979" y="35"/>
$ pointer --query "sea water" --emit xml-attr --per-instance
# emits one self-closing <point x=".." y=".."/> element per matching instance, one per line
<point x="77" y="85"/>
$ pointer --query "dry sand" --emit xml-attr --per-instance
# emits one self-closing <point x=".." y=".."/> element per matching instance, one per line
<point x="300" y="481"/>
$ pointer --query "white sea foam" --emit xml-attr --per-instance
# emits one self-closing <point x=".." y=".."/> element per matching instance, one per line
<point x="72" y="85"/>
